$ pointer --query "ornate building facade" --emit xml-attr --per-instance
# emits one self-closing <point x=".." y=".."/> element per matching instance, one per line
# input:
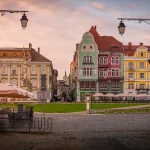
<point x="99" y="66"/>
<point x="36" y="69"/>
<point x="136" y="69"/>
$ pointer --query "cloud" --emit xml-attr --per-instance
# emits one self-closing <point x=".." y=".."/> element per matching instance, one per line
<point x="132" y="5"/>
<point x="97" y="5"/>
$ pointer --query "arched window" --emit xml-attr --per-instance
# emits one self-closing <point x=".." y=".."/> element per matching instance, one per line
<point x="91" y="59"/>
<point x="105" y="60"/>
<point x="13" y="70"/>
<point x="84" y="59"/>
<point x="117" y="60"/>
<point x="3" y="69"/>
<point x="33" y="83"/>
<point x="113" y="60"/>
<point x="43" y="70"/>
<point x="101" y="60"/>
<point x="84" y="47"/>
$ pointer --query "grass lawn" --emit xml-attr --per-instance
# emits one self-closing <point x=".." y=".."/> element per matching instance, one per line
<point x="74" y="107"/>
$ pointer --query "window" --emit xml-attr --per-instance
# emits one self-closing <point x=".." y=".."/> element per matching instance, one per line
<point x="84" y="59"/>
<point x="115" y="84"/>
<point x="142" y="86"/>
<point x="141" y="54"/>
<point x="115" y="60"/>
<point x="131" y="75"/>
<point x="105" y="60"/>
<point x="142" y="75"/>
<point x="33" y="71"/>
<point x="33" y="83"/>
<point x="130" y="86"/>
<point x="91" y="47"/>
<point x="131" y="65"/>
<point x="101" y="60"/>
<point x="3" y="69"/>
<point x="87" y="59"/>
<point x="115" y="72"/>
<point x="141" y="64"/>
<point x="87" y="71"/>
<point x="14" y="82"/>
<point x="43" y="70"/>
<point x="84" y="47"/>
<point x="103" y="73"/>
<point x="103" y="84"/>
<point x="13" y="70"/>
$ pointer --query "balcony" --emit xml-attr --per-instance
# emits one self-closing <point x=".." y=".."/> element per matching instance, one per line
<point x="110" y="77"/>
<point x="131" y="68"/>
<point x="130" y="79"/>
<point x="88" y="63"/>
<point x="104" y="65"/>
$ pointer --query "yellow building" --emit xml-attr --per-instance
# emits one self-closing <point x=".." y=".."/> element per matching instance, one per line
<point x="136" y="69"/>
<point x="39" y="69"/>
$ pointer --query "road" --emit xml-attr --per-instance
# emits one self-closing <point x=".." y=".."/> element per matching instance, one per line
<point x="82" y="131"/>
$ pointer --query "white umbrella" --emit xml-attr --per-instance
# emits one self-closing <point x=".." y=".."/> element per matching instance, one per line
<point x="122" y="95"/>
<point x="143" y="95"/>
<point x="110" y="95"/>
<point x="98" y="95"/>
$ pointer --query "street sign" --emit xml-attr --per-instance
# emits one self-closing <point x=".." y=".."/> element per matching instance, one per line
<point x="43" y="95"/>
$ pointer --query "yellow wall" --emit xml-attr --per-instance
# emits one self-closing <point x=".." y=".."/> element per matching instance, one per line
<point x="136" y="59"/>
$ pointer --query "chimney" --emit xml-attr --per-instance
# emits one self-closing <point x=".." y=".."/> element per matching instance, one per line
<point x="39" y="50"/>
<point x="95" y="27"/>
<point x="130" y="45"/>
<point x="30" y="46"/>
<point x="141" y="44"/>
<point x="77" y="45"/>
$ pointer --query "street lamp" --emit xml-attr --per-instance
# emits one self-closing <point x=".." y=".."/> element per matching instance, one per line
<point x="121" y="27"/>
<point x="23" y="20"/>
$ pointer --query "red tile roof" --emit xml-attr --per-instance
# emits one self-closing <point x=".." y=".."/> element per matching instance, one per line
<point x="130" y="49"/>
<point x="37" y="57"/>
<point x="106" y="43"/>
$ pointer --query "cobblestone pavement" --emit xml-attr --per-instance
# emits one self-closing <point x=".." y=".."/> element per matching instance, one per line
<point x="86" y="132"/>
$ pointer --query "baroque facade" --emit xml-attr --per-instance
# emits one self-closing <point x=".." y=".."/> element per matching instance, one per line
<point x="97" y="65"/>
<point x="136" y="69"/>
<point x="38" y="68"/>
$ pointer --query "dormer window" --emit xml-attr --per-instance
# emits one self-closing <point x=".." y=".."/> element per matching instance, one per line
<point x="14" y="54"/>
<point x="141" y="54"/>
<point x="4" y="54"/>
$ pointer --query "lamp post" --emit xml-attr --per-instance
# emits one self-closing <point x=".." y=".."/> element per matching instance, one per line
<point x="121" y="27"/>
<point x="23" y="20"/>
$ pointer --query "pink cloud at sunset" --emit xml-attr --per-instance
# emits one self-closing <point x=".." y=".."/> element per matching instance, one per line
<point x="57" y="25"/>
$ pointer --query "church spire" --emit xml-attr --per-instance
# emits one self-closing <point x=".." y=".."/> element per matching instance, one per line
<point x="65" y="74"/>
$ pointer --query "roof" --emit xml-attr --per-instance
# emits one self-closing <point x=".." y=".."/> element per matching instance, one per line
<point x="130" y="49"/>
<point x="37" y="57"/>
<point x="106" y="43"/>
<point x="10" y="52"/>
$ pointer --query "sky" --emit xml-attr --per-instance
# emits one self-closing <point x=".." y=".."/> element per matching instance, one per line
<point x="57" y="25"/>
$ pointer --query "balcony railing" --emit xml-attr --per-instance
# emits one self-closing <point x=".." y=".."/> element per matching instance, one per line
<point x="131" y="68"/>
<point x="131" y="79"/>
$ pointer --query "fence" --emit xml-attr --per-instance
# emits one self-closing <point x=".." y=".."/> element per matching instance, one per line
<point x="25" y="125"/>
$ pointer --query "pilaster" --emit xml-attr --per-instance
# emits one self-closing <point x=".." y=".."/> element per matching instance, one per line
<point x="78" y="91"/>
<point x="19" y="70"/>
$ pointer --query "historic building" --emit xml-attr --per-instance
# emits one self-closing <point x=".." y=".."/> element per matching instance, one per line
<point x="63" y="87"/>
<point x="136" y="69"/>
<point x="35" y="69"/>
<point x="99" y="67"/>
